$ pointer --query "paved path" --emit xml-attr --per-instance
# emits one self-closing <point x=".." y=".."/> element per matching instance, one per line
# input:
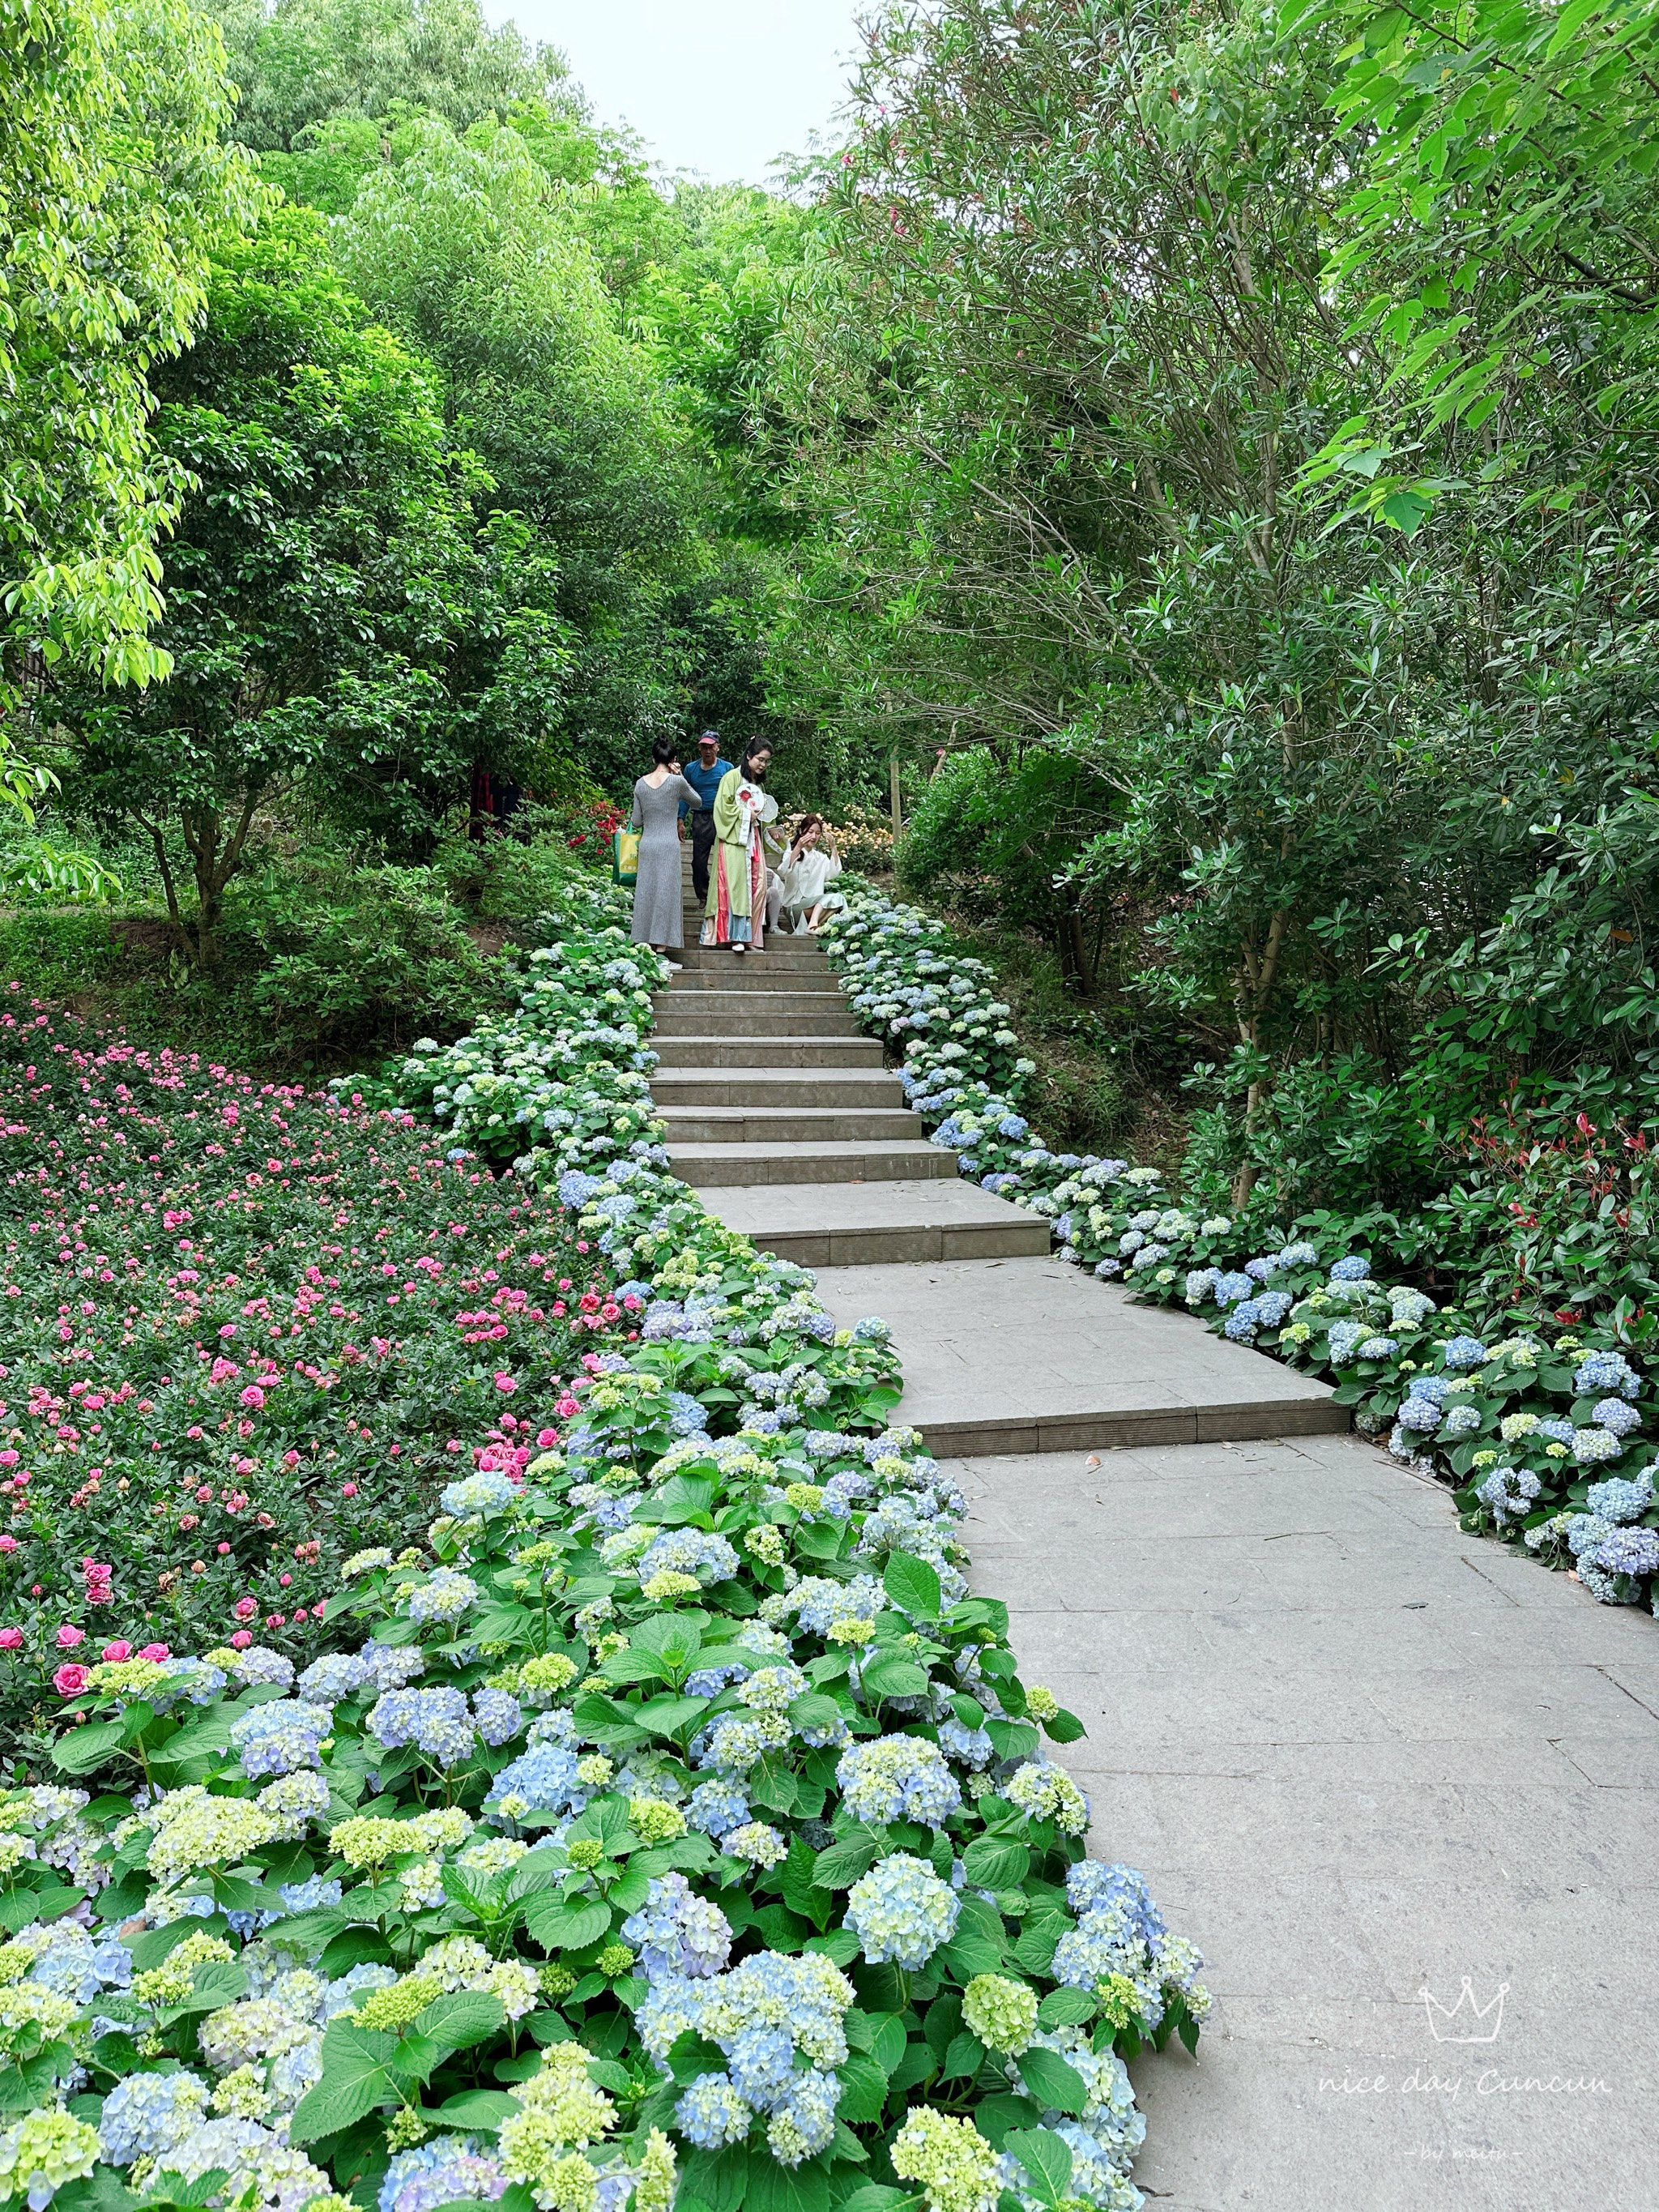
<point x="792" y="1129"/>
<point x="1358" y="1754"/>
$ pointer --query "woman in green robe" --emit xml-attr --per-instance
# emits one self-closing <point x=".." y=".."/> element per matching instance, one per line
<point x="737" y="885"/>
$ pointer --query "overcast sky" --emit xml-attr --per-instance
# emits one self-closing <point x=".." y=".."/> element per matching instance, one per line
<point x="722" y="86"/>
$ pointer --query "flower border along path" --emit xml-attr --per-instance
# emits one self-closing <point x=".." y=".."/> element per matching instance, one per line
<point x="1541" y="1432"/>
<point x="673" y="1828"/>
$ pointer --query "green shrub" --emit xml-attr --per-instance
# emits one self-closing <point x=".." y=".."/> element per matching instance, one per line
<point x="339" y="959"/>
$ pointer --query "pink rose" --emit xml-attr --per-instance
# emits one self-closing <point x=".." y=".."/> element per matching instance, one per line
<point x="348" y="1489"/>
<point x="69" y="1636"/>
<point x="118" y="1650"/>
<point x="253" y="1395"/>
<point x="69" y="1682"/>
<point x="7" y="1543"/>
<point x="156" y="1651"/>
<point x="547" y="1438"/>
<point x="10" y="1638"/>
<point x="241" y="1641"/>
<point x="245" y="1608"/>
<point x="506" y="1385"/>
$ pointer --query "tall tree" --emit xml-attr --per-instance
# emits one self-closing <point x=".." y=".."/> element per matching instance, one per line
<point x="302" y="62"/>
<point x="115" y="183"/>
<point x="470" y="248"/>
<point x="312" y="581"/>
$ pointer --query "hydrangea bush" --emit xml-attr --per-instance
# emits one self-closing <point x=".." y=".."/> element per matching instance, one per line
<point x="670" y="1823"/>
<point x="1545" y="1434"/>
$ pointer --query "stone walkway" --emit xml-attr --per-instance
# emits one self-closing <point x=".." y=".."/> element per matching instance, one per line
<point x="1358" y="1754"/>
<point x="785" y="1119"/>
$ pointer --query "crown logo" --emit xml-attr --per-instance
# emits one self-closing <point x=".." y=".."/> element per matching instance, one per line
<point x="1465" y="2021"/>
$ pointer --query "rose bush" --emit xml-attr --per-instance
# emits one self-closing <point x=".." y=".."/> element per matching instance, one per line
<point x="246" y="1329"/>
<point x="1539" y="1428"/>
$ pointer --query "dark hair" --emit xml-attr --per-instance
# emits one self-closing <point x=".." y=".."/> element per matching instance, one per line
<point x="663" y="751"/>
<point x="755" y="747"/>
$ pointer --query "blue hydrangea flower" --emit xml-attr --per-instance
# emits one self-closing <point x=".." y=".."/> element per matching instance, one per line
<point x="676" y="1932"/>
<point x="1091" y="1886"/>
<point x="1343" y="1339"/>
<point x="1606" y="1371"/>
<point x="898" y="1777"/>
<point x="901" y="1911"/>
<point x="1353" y="1269"/>
<point x="334" y="1676"/>
<point x="145" y="2115"/>
<point x="1461" y="1420"/>
<point x="1464" y="1352"/>
<point x="711" y="2113"/>
<point x="1378" y="1347"/>
<point x="1509" y="1492"/>
<point x="716" y="1807"/>
<point x="1628" y="1551"/>
<point x="437" y="1721"/>
<point x="447" y="2170"/>
<point x="488" y="1493"/>
<point x="1231" y="1288"/>
<point x="1419" y="1413"/>
<point x="696" y="1552"/>
<point x="1615" y="1414"/>
<point x="1595" y="1447"/>
<point x="1621" y="1498"/>
<point x="499" y="1716"/>
<point x="541" y="1780"/>
<point x="280" y="1737"/>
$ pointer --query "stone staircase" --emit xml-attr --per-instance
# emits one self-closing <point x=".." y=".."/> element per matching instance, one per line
<point x="792" y="1128"/>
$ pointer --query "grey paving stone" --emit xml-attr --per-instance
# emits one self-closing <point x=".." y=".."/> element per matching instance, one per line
<point x="1371" y="1759"/>
<point x="1015" y="1346"/>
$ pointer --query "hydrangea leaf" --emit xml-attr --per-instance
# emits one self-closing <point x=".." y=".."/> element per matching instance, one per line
<point x="913" y="1585"/>
<point x="1046" y="2158"/>
<point x="356" y="2079"/>
<point x="1052" y="2080"/>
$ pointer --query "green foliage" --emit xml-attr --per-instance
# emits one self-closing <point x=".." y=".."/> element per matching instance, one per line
<point x="304" y="64"/>
<point x="114" y="187"/>
<point x="343" y="958"/>
<point x="464" y="248"/>
<point x="306" y="619"/>
<point x="1005" y="828"/>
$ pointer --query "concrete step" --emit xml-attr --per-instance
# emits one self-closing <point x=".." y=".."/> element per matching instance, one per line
<point x="1030" y="1355"/>
<point x="709" y="1050"/>
<point x="758" y="978"/>
<point x="706" y="1166"/>
<point x="776" y="1087"/>
<point x="778" y="1013"/>
<point x="854" y="1224"/>
<point x="747" y="1123"/>
<point x="802" y="953"/>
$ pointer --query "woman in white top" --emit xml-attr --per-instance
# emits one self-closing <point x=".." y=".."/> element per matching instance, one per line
<point x="810" y="866"/>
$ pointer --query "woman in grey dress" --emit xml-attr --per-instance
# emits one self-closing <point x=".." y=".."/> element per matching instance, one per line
<point x="659" y="896"/>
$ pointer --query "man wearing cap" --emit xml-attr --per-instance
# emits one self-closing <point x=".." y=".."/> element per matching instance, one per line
<point x="704" y="775"/>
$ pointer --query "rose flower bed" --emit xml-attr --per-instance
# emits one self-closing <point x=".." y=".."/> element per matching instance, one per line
<point x="246" y="1331"/>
